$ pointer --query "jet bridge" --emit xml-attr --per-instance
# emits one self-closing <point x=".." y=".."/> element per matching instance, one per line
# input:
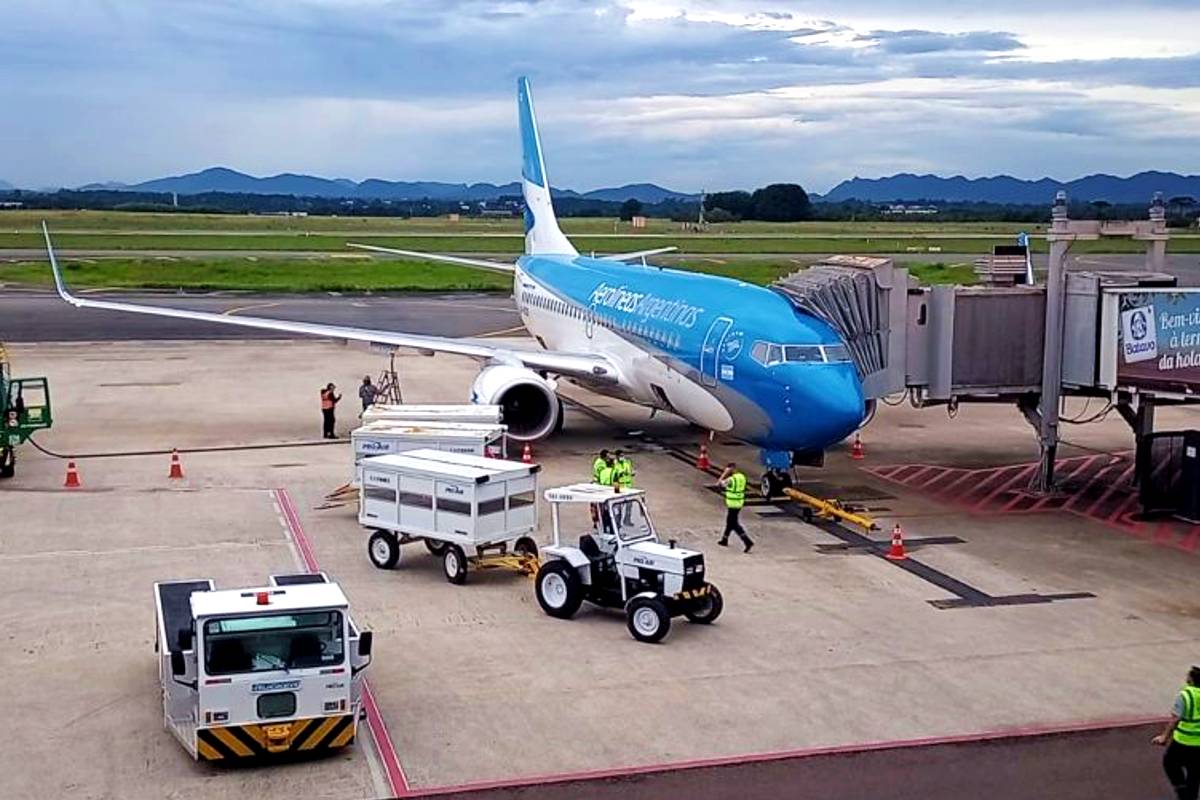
<point x="1079" y="333"/>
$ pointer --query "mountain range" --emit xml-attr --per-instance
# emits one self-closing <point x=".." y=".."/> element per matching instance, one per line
<point x="1139" y="188"/>
<point x="903" y="187"/>
<point x="222" y="179"/>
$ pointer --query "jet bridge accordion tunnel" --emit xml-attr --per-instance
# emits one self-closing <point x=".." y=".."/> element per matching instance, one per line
<point x="949" y="344"/>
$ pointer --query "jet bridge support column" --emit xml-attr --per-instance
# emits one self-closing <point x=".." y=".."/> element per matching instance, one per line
<point x="1059" y="238"/>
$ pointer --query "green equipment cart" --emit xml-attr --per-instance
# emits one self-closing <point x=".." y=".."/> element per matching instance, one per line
<point x="24" y="408"/>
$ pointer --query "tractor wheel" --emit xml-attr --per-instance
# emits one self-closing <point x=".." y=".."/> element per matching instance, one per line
<point x="384" y="549"/>
<point x="559" y="589"/>
<point x="435" y="547"/>
<point x="525" y="546"/>
<point x="647" y="619"/>
<point x="707" y="609"/>
<point x="8" y="462"/>
<point x="454" y="564"/>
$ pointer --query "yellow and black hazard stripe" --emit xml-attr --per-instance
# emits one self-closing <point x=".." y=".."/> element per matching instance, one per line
<point x="693" y="594"/>
<point x="255" y="741"/>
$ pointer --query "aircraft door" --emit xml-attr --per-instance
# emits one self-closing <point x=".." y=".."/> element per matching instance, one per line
<point x="711" y="351"/>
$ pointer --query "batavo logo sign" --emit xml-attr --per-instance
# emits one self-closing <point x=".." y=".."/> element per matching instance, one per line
<point x="1139" y="337"/>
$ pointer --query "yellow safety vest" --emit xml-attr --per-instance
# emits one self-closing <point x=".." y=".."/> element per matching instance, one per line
<point x="598" y="465"/>
<point x="735" y="490"/>
<point x="624" y="473"/>
<point x="1187" y="731"/>
<point x="606" y="476"/>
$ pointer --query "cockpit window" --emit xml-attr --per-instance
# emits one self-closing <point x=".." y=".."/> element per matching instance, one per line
<point x="803" y="353"/>
<point x="766" y="353"/>
<point x="769" y="354"/>
<point x="837" y="353"/>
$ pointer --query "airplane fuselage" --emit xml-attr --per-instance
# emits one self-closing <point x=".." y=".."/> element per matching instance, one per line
<point x="729" y="356"/>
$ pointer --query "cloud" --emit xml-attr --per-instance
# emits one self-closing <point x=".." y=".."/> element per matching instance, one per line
<point x="910" y="42"/>
<point x="732" y="93"/>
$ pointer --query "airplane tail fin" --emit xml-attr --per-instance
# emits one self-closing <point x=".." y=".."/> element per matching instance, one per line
<point x="542" y="234"/>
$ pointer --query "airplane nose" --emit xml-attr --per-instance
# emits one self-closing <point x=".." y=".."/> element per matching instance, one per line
<point x="835" y="405"/>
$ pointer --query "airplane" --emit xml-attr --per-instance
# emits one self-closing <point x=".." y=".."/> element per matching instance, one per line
<point x="726" y="355"/>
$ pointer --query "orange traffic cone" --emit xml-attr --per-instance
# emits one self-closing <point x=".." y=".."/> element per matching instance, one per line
<point x="896" y="552"/>
<point x="702" y="462"/>
<point x="72" y="481"/>
<point x="856" y="450"/>
<point x="527" y="454"/>
<point x="176" y="467"/>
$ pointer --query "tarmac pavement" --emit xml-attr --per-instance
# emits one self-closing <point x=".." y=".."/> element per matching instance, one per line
<point x="818" y="648"/>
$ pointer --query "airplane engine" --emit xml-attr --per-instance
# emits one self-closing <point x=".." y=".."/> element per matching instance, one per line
<point x="531" y="406"/>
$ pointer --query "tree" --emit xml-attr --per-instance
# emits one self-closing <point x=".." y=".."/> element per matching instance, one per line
<point x="631" y="208"/>
<point x="781" y="202"/>
<point x="738" y="205"/>
<point x="1102" y="207"/>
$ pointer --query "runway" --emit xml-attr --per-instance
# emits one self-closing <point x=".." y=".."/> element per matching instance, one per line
<point x="43" y="317"/>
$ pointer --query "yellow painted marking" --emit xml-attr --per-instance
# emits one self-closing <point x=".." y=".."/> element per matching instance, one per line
<point x="513" y="329"/>
<point x="231" y="741"/>
<point x="207" y="752"/>
<point x="255" y="732"/>
<point x="232" y="311"/>
<point x="344" y="737"/>
<point x="322" y="731"/>
<point x="298" y="729"/>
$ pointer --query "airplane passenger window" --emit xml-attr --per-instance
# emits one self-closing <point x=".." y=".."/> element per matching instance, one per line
<point x="803" y="353"/>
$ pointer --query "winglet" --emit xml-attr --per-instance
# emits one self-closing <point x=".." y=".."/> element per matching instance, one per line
<point x="58" y="279"/>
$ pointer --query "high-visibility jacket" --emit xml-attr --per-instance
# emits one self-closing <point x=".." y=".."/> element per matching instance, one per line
<point x="598" y="465"/>
<point x="606" y="476"/>
<point x="326" y="399"/>
<point x="735" y="490"/>
<point x="1187" y="731"/>
<point x="623" y="470"/>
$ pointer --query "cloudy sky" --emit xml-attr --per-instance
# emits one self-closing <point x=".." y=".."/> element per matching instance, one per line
<point x="692" y="95"/>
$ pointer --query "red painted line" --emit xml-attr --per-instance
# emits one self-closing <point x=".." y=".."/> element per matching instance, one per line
<point x="1115" y="484"/>
<point x="397" y="782"/>
<point x="1022" y="472"/>
<point x="782" y="755"/>
<point x="1189" y="544"/>
<point x="944" y="490"/>
<point x="910" y="479"/>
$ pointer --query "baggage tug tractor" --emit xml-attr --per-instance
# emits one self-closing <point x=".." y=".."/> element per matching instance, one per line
<point x="620" y="563"/>
<point x="258" y="672"/>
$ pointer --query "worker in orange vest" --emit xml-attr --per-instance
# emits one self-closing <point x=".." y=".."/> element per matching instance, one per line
<point x="329" y="401"/>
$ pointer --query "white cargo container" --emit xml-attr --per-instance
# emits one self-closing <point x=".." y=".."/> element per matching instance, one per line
<point x="467" y="509"/>
<point x="387" y="438"/>
<point x="468" y="413"/>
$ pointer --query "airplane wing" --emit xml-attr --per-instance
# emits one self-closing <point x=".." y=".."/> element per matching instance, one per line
<point x="478" y="263"/>
<point x="636" y="254"/>
<point x="581" y="365"/>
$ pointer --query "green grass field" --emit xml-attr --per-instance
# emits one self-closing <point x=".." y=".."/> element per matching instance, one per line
<point x="127" y="222"/>
<point x="296" y="254"/>
<point x="355" y="274"/>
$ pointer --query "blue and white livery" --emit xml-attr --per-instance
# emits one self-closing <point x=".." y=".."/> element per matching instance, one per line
<point x="729" y="356"/>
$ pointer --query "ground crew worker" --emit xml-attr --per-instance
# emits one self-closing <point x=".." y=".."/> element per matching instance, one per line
<point x="733" y="481"/>
<point x="329" y="400"/>
<point x="367" y="393"/>
<point x="623" y="470"/>
<point x="607" y="473"/>
<point x="1181" y="761"/>
<point x="598" y="464"/>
